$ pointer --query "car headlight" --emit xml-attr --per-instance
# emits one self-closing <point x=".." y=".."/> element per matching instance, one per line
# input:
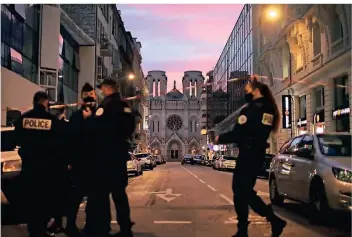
<point x="12" y="166"/>
<point x="342" y="174"/>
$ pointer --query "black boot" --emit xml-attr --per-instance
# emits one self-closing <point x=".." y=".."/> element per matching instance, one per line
<point x="73" y="231"/>
<point x="277" y="224"/>
<point x="242" y="229"/>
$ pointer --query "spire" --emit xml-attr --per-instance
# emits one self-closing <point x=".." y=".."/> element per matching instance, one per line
<point x="174" y="84"/>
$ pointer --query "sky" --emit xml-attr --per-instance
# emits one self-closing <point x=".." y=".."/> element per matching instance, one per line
<point x="180" y="37"/>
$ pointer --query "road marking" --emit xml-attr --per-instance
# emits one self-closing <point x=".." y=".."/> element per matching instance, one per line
<point x="195" y="176"/>
<point x="172" y="222"/>
<point x="201" y="181"/>
<point x="166" y="195"/>
<point x="254" y="220"/>
<point x="211" y="188"/>
<point x="264" y="194"/>
<point x="226" y="198"/>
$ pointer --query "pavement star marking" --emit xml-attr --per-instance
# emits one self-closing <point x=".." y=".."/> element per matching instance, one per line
<point x="167" y="195"/>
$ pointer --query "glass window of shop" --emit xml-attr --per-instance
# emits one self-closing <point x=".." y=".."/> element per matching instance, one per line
<point x="20" y="39"/>
<point x="319" y="98"/>
<point x="68" y="70"/>
<point x="342" y="102"/>
<point x="302" y="107"/>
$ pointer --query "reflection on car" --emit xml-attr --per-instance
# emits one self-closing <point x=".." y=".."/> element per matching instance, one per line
<point x="224" y="163"/>
<point x="315" y="169"/>
<point x="265" y="168"/>
<point x="146" y="160"/>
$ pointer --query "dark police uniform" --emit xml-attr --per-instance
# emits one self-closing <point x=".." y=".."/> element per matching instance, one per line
<point x="37" y="133"/>
<point x="114" y="123"/>
<point x="250" y="133"/>
<point x="81" y="142"/>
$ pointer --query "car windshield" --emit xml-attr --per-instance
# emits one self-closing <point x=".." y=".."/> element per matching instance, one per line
<point x="142" y="155"/>
<point x="335" y="145"/>
<point x="229" y="158"/>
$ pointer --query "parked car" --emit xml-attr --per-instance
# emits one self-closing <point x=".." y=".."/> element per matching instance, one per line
<point x="158" y="160"/>
<point x="134" y="166"/>
<point x="146" y="160"/>
<point x="225" y="163"/>
<point x="164" y="159"/>
<point x="265" y="168"/>
<point x="187" y="159"/>
<point x="11" y="165"/>
<point x="198" y="159"/>
<point x="314" y="169"/>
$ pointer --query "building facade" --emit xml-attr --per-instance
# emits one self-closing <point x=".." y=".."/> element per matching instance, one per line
<point x="42" y="49"/>
<point x="305" y="53"/>
<point x="174" y="117"/>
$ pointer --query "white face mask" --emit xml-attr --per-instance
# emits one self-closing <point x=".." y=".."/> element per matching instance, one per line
<point x="100" y="96"/>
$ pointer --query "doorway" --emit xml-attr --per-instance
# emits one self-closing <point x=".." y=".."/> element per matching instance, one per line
<point x="174" y="154"/>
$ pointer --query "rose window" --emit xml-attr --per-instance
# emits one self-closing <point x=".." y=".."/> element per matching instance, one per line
<point x="174" y="123"/>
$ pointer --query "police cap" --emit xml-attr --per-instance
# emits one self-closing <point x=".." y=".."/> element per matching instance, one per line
<point x="108" y="82"/>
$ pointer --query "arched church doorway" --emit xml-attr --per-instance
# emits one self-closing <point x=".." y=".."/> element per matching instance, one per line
<point x="174" y="150"/>
<point x="193" y="148"/>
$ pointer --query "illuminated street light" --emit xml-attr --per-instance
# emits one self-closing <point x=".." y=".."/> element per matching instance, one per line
<point x="272" y="14"/>
<point x="131" y="76"/>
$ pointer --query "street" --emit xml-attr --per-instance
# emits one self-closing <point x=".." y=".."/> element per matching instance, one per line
<point x="189" y="201"/>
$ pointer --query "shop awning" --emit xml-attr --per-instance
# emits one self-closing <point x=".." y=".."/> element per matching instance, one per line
<point x="228" y="123"/>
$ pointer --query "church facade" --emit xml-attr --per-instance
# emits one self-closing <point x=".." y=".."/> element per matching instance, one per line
<point x="174" y="116"/>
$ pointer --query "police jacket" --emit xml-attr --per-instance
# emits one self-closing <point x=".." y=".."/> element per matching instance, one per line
<point x="114" y="123"/>
<point x="38" y="133"/>
<point x="82" y="139"/>
<point x="253" y="126"/>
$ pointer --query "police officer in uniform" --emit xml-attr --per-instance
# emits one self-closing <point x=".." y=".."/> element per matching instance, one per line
<point x="114" y="123"/>
<point x="81" y="158"/>
<point x="37" y="133"/>
<point x="250" y="133"/>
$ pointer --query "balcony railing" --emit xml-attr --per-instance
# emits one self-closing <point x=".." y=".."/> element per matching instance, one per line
<point x="105" y="47"/>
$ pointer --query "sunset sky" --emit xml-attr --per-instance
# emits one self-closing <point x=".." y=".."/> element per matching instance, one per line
<point x="176" y="38"/>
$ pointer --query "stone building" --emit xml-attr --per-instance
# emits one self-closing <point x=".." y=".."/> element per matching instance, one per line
<point x="174" y="116"/>
<point x="305" y="52"/>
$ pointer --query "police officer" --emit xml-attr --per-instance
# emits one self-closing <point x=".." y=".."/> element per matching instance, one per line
<point x="250" y="133"/>
<point x="81" y="158"/>
<point x="114" y="123"/>
<point x="37" y="133"/>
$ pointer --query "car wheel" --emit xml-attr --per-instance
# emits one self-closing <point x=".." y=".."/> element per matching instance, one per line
<point x="319" y="202"/>
<point x="151" y="167"/>
<point x="275" y="197"/>
<point x="136" y="173"/>
<point x="141" y="172"/>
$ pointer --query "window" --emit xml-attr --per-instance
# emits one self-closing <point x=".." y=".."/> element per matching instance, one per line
<point x="19" y="39"/>
<point x="302" y="107"/>
<point x="299" y="59"/>
<point x="319" y="98"/>
<point x="284" y="147"/>
<point x="336" y="29"/>
<point x="293" y="145"/>
<point x="307" y="142"/>
<point x="316" y="39"/>
<point x="341" y="92"/>
<point x="158" y="126"/>
<point x="285" y="56"/>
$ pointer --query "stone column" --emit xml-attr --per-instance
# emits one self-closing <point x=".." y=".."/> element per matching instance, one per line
<point x="329" y="92"/>
<point x="156" y="88"/>
<point x="309" y="111"/>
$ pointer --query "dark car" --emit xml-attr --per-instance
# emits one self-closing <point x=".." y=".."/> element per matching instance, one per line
<point x="11" y="165"/>
<point x="198" y="159"/>
<point x="264" y="170"/>
<point x="158" y="160"/>
<point x="187" y="159"/>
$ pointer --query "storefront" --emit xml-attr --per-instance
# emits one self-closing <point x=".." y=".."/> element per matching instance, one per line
<point x="319" y="122"/>
<point x="302" y="126"/>
<point x="342" y="119"/>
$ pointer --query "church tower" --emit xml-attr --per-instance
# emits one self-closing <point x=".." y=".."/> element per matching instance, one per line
<point x="157" y="83"/>
<point x="192" y="83"/>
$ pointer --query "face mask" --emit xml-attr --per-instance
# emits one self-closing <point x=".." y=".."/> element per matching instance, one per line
<point x="248" y="97"/>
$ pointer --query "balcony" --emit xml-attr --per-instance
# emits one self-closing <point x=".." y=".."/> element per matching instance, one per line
<point x="105" y="47"/>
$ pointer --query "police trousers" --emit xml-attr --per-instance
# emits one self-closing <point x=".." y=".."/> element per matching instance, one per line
<point x="244" y="179"/>
<point x="113" y="182"/>
<point x="43" y="191"/>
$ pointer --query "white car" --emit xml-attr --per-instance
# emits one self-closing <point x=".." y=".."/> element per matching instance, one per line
<point x="133" y="166"/>
<point x="225" y="163"/>
<point x="314" y="169"/>
<point x="146" y="160"/>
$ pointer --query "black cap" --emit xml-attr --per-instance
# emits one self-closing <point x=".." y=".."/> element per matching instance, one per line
<point x="107" y="82"/>
<point x="87" y="88"/>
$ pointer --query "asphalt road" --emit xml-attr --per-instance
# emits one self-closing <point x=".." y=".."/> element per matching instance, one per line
<point x="193" y="201"/>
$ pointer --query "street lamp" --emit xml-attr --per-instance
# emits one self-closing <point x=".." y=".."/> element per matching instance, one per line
<point x="131" y="76"/>
<point x="272" y="13"/>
